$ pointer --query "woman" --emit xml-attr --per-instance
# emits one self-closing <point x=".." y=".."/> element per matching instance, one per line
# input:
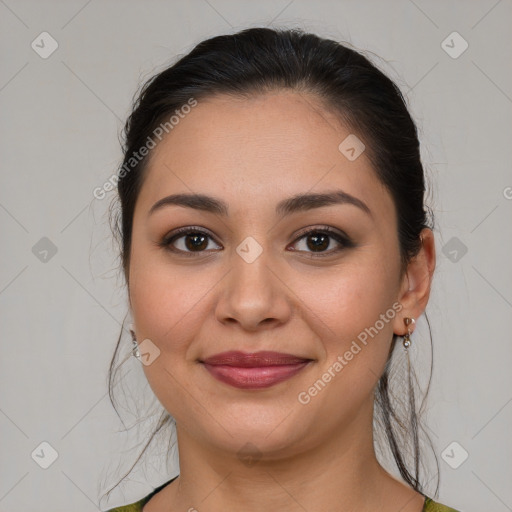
<point x="276" y="246"/>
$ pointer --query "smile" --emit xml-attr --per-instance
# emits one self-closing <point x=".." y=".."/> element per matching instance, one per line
<point x="254" y="371"/>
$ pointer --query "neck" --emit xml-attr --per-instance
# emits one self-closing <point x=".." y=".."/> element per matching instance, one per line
<point x="341" y="474"/>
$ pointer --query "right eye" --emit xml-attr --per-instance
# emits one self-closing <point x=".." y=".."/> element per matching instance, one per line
<point x="187" y="241"/>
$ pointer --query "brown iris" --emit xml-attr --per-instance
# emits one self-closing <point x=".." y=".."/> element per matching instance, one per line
<point x="196" y="241"/>
<point x="320" y="241"/>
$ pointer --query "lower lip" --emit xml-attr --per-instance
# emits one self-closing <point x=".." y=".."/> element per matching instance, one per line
<point x="254" y="378"/>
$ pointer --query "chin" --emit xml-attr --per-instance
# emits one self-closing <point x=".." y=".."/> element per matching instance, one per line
<point x="271" y="438"/>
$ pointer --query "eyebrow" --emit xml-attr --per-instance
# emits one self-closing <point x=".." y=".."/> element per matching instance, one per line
<point x="296" y="203"/>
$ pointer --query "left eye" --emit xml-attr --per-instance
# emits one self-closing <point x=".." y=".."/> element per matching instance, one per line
<point x="319" y="241"/>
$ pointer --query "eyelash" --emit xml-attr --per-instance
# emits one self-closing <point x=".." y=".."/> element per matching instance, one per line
<point x="343" y="240"/>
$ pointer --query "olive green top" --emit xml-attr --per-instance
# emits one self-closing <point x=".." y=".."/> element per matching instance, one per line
<point x="430" y="505"/>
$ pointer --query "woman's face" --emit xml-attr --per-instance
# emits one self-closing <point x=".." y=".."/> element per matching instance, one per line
<point x="253" y="280"/>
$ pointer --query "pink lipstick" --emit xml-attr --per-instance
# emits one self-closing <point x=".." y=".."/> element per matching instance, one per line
<point x="254" y="370"/>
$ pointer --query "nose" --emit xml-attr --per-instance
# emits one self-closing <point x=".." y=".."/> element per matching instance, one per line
<point x="253" y="295"/>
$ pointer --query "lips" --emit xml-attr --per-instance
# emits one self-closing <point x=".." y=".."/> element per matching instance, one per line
<point x="254" y="370"/>
<point x="253" y="360"/>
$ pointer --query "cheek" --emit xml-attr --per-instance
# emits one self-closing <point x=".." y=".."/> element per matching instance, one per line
<point x="349" y="302"/>
<point x="167" y="303"/>
<point x="158" y="303"/>
<point x="355" y="337"/>
<point x="353" y="297"/>
<point x="166" y="309"/>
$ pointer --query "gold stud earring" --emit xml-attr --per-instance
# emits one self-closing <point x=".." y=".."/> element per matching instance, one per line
<point x="407" y="338"/>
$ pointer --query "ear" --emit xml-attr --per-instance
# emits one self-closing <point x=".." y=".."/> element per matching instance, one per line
<point x="416" y="283"/>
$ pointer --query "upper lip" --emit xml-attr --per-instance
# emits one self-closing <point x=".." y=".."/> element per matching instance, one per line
<point x="253" y="359"/>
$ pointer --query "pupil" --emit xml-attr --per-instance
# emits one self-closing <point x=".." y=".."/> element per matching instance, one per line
<point x="319" y="241"/>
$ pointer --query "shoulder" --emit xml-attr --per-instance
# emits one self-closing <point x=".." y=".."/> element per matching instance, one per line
<point x="134" y="507"/>
<point x="137" y="506"/>
<point x="432" y="506"/>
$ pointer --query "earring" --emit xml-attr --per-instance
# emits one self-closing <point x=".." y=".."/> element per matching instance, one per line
<point x="135" y="347"/>
<point x="407" y="338"/>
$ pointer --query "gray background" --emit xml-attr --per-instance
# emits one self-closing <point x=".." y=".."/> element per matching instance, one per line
<point x="61" y="313"/>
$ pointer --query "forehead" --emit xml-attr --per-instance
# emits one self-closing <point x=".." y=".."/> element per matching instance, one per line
<point x="260" y="148"/>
